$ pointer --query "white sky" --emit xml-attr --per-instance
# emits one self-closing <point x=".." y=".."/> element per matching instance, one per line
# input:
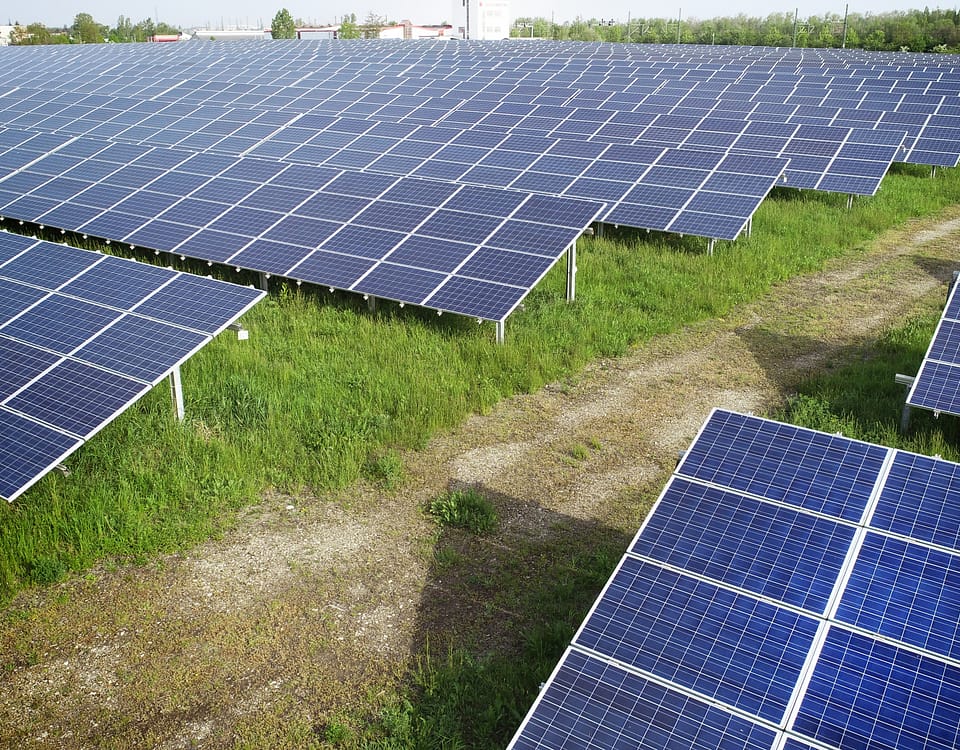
<point x="189" y="13"/>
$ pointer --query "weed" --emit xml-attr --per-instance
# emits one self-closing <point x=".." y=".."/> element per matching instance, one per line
<point x="579" y="451"/>
<point x="465" y="509"/>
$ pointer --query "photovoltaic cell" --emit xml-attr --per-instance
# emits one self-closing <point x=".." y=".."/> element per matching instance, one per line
<point x="71" y="359"/>
<point x="919" y="500"/>
<point x="590" y="702"/>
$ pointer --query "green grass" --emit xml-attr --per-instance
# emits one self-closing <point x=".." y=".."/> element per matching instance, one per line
<point x="323" y="387"/>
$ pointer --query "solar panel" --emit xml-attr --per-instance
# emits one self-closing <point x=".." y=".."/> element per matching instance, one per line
<point x="801" y="589"/>
<point x="937" y="384"/>
<point x="83" y="336"/>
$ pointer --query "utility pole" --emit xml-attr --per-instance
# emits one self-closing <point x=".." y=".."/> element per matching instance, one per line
<point x="846" y="10"/>
<point x="679" y="17"/>
<point x="628" y="25"/>
<point x="796" y="15"/>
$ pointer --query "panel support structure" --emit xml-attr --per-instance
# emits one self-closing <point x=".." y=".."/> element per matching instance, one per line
<point x="372" y="303"/>
<point x="710" y="243"/>
<point x="849" y="201"/>
<point x="176" y="392"/>
<point x="501" y="331"/>
<point x="263" y="281"/>
<point x="572" y="271"/>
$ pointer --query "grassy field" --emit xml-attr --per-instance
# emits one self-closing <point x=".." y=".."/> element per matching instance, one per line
<point x="323" y="389"/>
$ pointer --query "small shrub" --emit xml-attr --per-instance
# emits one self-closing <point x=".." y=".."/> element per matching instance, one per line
<point x="466" y="509"/>
<point x="46" y="570"/>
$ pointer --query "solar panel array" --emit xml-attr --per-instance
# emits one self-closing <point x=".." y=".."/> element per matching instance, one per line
<point x="83" y="336"/>
<point x="789" y="589"/>
<point x="937" y="384"/>
<point x="685" y="140"/>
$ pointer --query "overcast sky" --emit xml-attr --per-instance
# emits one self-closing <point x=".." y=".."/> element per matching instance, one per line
<point x="189" y="13"/>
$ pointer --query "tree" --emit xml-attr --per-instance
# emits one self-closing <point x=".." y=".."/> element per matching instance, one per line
<point x="283" y="26"/>
<point x="372" y="25"/>
<point x="86" y="30"/>
<point x="349" y="28"/>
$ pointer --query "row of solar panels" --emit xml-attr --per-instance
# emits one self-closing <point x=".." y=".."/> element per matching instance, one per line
<point x="551" y="110"/>
<point x="82" y="337"/>
<point x="789" y="589"/>
<point x="830" y="158"/>
<point x="469" y="250"/>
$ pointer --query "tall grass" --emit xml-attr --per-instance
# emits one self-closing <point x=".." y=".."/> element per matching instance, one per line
<point x="323" y="385"/>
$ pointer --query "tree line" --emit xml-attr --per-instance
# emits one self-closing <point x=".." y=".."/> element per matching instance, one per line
<point x="86" y="30"/>
<point x="913" y="30"/>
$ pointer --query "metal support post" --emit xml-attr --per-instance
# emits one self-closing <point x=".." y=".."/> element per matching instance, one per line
<point x="850" y="201"/>
<point x="598" y="232"/>
<point x="371" y="303"/>
<point x="263" y="281"/>
<point x="572" y="271"/>
<point x="750" y="227"/>
<point x="905" y="418"/>
<point x="933" y="170"/>
<point x="907" y="381"/>
<point x="176" y="392"/>
<point x="501" y="331"/>
<point x="710" y="243"/>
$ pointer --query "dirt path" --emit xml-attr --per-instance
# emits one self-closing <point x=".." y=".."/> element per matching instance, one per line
<point x="314" y="601"/>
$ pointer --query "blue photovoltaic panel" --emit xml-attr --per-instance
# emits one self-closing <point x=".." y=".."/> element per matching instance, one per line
<point x="937" y="384"/>
<point x="197" y="303"/>
<point x="937" y="388"/>
<point x="76" y="398"/>
<point x="811" y="470"/>
<point x="590" y="702"/>
<point x="49" y="265"/>
<point x="141" y="348"/>
<point x="737" y="649"/>
<point x="28" y="451"/>
<point x="868" y="694"/>
<point x="60" y="323"/>
<point x="906" y="592"/>
<point x="919" y="500"/>
<point x="16" y="298"/>
<point x="20" y="363"/>
<point x="770" y="550"/>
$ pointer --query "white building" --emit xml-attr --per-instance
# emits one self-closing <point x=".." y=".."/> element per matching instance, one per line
<point x="5" y="32"/>
<point x="482" y="19"/>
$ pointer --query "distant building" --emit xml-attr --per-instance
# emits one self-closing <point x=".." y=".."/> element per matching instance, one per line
<point x="406" y="30"/>
<point x="5" y="32"/>
<point x="319" y="32"/>
<point x="482" y="19"/>
<point x="223" y="35"/>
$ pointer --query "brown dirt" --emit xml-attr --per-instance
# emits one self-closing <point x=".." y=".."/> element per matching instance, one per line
<point x="315" y="604"/>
